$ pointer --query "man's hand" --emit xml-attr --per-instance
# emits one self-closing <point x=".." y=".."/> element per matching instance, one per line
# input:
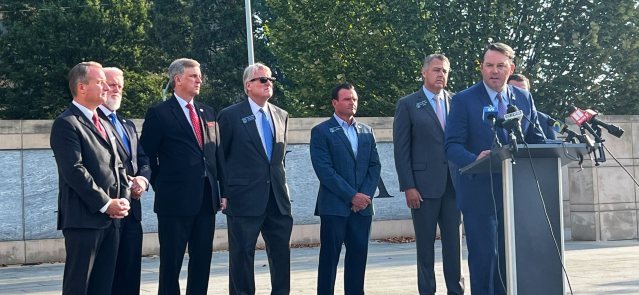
<point x="360" y="201"/>
<point x="413" y="198"/>
<point x="118" y="209"/>
<point x="223" y="205"/>
<point x="483" y="154"/>
<point x="138" y="186"/>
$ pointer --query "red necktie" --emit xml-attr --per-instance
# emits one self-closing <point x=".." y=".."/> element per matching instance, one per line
<point x="96" y="121"/>
<point x="196" y="123"/>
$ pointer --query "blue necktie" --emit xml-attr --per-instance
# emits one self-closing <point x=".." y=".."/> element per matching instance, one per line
<point x="268" y="135"/>
<point x="120" y="130"/>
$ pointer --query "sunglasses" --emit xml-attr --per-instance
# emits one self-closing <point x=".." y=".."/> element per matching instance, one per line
<point x="263" y="80"/>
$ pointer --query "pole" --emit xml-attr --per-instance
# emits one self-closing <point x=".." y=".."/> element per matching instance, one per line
<point x="249" y="31"/>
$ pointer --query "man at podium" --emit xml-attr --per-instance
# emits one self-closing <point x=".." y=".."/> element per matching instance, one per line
<point x="467" y="139"/>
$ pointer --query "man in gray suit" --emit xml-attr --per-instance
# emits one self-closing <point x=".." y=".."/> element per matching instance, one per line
<point x="253" y="137"/>
<point x="426" y="176"/>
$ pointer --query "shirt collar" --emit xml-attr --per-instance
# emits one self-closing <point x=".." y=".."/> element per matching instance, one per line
<point x="429" y="94"/>
<point x="492" y="94"/>
<point x="106" y="110"/>
<point x="87" y="113"/>
<point x="183" y="102"/>
<point x="256" y="108"/>
<point x="342" y="122"/>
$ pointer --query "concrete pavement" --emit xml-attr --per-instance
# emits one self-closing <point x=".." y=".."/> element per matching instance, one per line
<point x="593" y="268"/>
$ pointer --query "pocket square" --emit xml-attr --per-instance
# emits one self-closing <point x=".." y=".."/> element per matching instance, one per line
<point x="210" y="124"/>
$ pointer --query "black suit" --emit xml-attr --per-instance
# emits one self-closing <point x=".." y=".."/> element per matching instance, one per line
<point x="184" y="178"/>
<point x="421" y="163"/>
<point x="129" y="264"/>
<point x="90" y="173"/>
<point x="257" y="197"/>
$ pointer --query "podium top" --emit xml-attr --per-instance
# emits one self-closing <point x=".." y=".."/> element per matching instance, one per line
<point x="567" y="152"/>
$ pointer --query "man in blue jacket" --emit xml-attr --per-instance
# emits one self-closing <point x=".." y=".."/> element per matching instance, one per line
<point x="345" y="159"/>
<point x="468" y="138"/>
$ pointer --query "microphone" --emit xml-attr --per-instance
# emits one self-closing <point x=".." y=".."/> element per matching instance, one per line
<point x="515" y="115"/>
<point x="489" y="114"/>
<point x="560" y="127"/>
<point x="582" y="118"/>
<point x="612" y="128"/>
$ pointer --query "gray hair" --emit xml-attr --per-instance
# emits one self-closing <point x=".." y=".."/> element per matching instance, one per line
<point x="177" y="68"/>
<point x="501" y="47"/>
<point x="250" y="71"/>
<point x="113" y="70"/>
<point x="441" y="57"/>
<point x="80" y="74"/>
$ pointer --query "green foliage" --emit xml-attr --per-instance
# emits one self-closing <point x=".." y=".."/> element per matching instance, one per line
<point x="574" y="51"/>
<point x="41" y="46"/>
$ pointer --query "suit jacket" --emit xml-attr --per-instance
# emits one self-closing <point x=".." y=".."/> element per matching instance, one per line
<point x="250" y="176"/>
<point x="418" y="140"/>
<point x="543" y="125"/>
<point x="89" y="169"/>
<point x="340" y="173"/>
<point x="467" y="136"/>
<point x="136" y="162"/>
<point x="179" y="166"/>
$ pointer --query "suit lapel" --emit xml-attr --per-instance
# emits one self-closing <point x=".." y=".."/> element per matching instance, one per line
<point x="251" y="128"/>
<point x="199" y="112"/>
<point x="130" y="135"/>
<point x="339" y="131"/>
<point x="424" y="103"/>
<point x="278" y="124"/>
<point x="119" y="140"/>
<point x="89" y="124"/>
<point x="179" y="115"/>
<point x="360" y="139"/>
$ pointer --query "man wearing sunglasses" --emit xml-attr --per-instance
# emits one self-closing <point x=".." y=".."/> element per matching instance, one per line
<point x="253" y="136"/>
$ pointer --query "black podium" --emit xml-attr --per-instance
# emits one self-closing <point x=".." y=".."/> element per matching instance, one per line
<point x="533" y="265"/>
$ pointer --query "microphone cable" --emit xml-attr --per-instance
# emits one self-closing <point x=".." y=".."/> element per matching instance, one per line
<point x="554" y="239"/>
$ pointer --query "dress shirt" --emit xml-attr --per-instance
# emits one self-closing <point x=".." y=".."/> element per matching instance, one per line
<point x="493" y="96"/>
<point x="442" y="101"/>
<point x="186" y="111"/>
<point x="258" y="120"/>
<point x="89" y="114"/>
<point x="350" y="132"/>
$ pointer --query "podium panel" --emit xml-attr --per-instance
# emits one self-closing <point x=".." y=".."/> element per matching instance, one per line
<point x="533" y="260"/>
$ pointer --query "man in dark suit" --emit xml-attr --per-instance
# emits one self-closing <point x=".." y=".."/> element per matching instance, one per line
<point x="253" y="135"/>
<point x="180" y="138"/>
<point x="426" y="176"/>
<point x="522" y="82"/>
<point x="468" y="138"/>
<point x="94" y="193"/>
<point x="345" y="159"/>
<point x="129" y="264"/>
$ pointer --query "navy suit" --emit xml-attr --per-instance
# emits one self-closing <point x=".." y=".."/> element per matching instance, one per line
<point x="129" y="262"/>
<point x="466" y="137"/>
<point x="543" y="125"/>
<point x="185" y="180"/>
<point x="342" y="175"/>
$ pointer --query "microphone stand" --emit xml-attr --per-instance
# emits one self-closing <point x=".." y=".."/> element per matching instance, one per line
<point x="496" y="143"/>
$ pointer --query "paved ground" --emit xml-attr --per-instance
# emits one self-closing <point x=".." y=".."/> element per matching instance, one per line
<point x="593" y="268"/>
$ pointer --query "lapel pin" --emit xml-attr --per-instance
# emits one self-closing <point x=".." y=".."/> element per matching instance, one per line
<point x="201" y="111"/>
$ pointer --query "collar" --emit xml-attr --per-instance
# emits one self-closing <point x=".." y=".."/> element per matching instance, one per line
<point x="430" y="95"/>
<point x="183" y="102"/>
<point x="87" y="113"/>
<point x="492" y="93"/>
<point x="343" y="123"/>
<point x="255" y="109"/>
<point x="106" y="110"/>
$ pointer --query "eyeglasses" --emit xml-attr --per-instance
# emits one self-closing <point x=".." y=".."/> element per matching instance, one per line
<point x="263" y="80"/>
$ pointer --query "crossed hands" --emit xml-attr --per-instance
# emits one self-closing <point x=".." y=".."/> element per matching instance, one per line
<point x="119" y="208"/>
<point x="138" y="186"/>
<point x="360" y="202"/>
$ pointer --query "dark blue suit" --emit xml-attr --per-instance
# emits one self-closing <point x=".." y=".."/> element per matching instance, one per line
<point x="543" y="125"/>
<point x="466" y="137"/>
<point x="342" y="175"/>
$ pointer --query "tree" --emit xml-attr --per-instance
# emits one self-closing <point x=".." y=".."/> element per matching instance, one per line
<point x="42" y="44"/>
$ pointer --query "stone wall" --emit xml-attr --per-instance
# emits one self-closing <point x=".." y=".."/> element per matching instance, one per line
<point x="600" y="203"/>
